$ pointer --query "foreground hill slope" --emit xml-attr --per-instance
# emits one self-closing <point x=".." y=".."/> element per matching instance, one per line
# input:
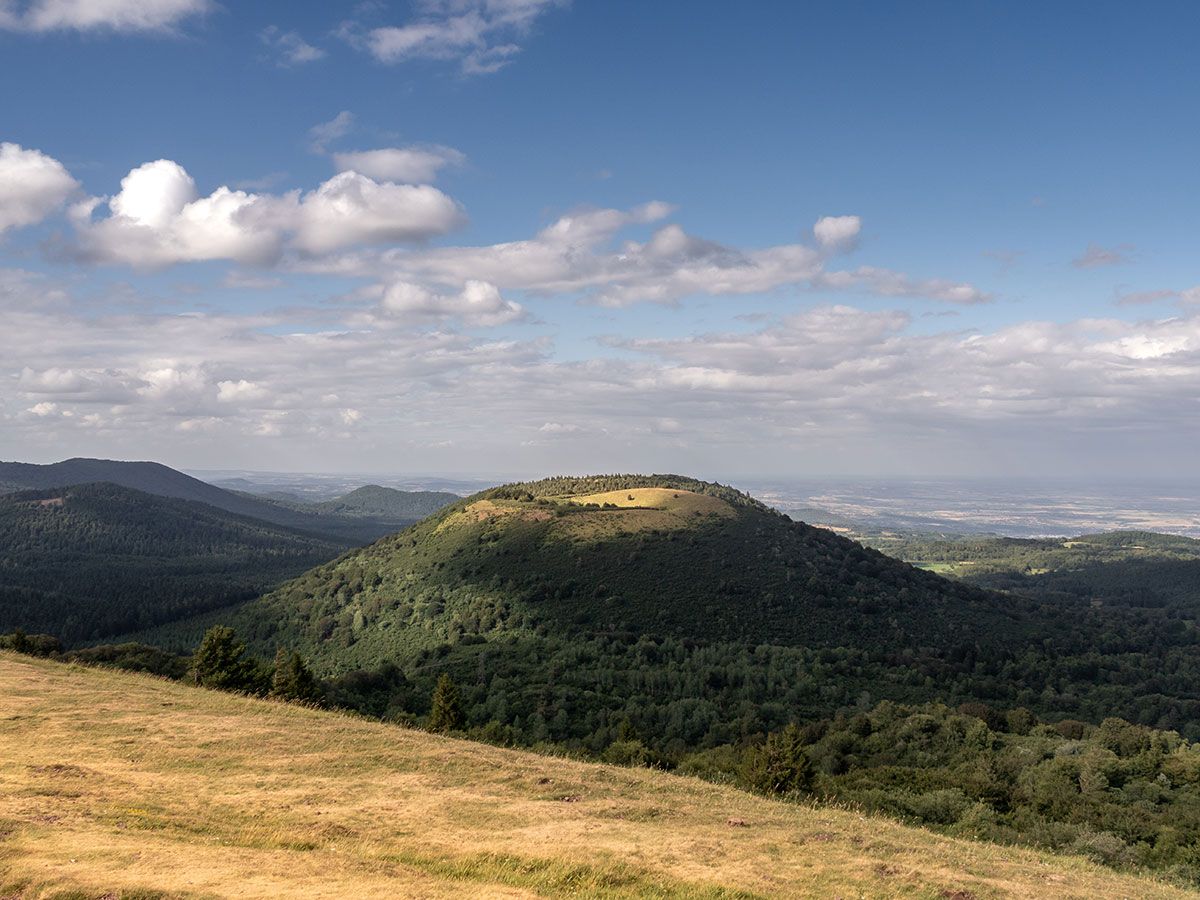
<point x="112" y="782"/>
<point x="94" y="560"/>
<point x="163" y="481"/>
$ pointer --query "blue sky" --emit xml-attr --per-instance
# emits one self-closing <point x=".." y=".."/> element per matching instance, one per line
<point x="1006" y="282"/>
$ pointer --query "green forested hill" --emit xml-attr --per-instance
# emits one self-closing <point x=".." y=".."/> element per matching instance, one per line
<point x="162" y="481"/>
<point x="89" y="561"/>
<point x="566" y="558"/>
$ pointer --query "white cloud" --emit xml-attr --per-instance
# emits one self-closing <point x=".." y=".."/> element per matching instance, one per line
<point x="159" y="219"/>
<point x="32" y="186"/>
<point x="479" y="303"/>
<point x="837" y="233"/>
<point x="352" y="209"/>
<point x="290" y="48"/>
<point x="323" y="134"/>
<point x="100" y="15"/>
<point x="887" y="283"/>
<point x="580" y="254"/>
<point x="478" y="34"/>
<point x="241" y="391"/>
<point x="408" y="165"/>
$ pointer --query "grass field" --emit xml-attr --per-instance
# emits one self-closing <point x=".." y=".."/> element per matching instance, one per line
<point x="117" y="785"/>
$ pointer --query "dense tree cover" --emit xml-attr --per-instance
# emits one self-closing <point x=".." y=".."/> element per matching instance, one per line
<point x="92" y="561"/>
<point x="132" y="657"/>
<point x="1120" y="793"/>
<point x="371" y="500"/>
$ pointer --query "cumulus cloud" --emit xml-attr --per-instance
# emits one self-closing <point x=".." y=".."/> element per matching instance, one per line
<point x="100" y="15"/>
<point x="837" y="233"/>
<point x="32" y="186"/>
<point x="479" y="303"/>
<point x="581" y="254"/>
<point x="352" y="209"/>
<point x="158" y="218"/>
<point x="1095" y="256"/>
<point x="407" y="165"/>
<point x="479" y="34"/>
<point x="289" y="47"/>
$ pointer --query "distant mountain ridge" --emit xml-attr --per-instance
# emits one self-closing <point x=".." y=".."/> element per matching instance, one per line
<point x="374" y="500"/>
<point x="87" y="561"/>
<point x="163" y="481"/>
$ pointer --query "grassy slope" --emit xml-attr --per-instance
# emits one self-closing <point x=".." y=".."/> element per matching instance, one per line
<point x="114" y="782"/>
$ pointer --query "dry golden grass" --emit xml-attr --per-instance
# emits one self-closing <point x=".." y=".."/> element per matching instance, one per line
<point x="684" y="503"/>
<point x="640" y="509"/>
<point x="114" y="784"/>
<point x="483" y="510"/>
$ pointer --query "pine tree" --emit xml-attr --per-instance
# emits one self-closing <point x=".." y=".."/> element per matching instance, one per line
<point x="292" y="679"/>
<point x="779" y="765"/>
<point x="446" y="713"/>
<point x="221" y="662"/>
<point x="18" y="641"/>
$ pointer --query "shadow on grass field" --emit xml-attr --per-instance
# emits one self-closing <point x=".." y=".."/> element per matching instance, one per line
<point x="115" y="785"/>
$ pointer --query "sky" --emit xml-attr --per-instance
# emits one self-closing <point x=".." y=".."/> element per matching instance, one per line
<point x="937" y="239"/>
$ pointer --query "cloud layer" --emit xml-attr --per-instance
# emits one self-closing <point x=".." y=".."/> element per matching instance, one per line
<point x="99" y="15"/>
<point x="831" y="383"/>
